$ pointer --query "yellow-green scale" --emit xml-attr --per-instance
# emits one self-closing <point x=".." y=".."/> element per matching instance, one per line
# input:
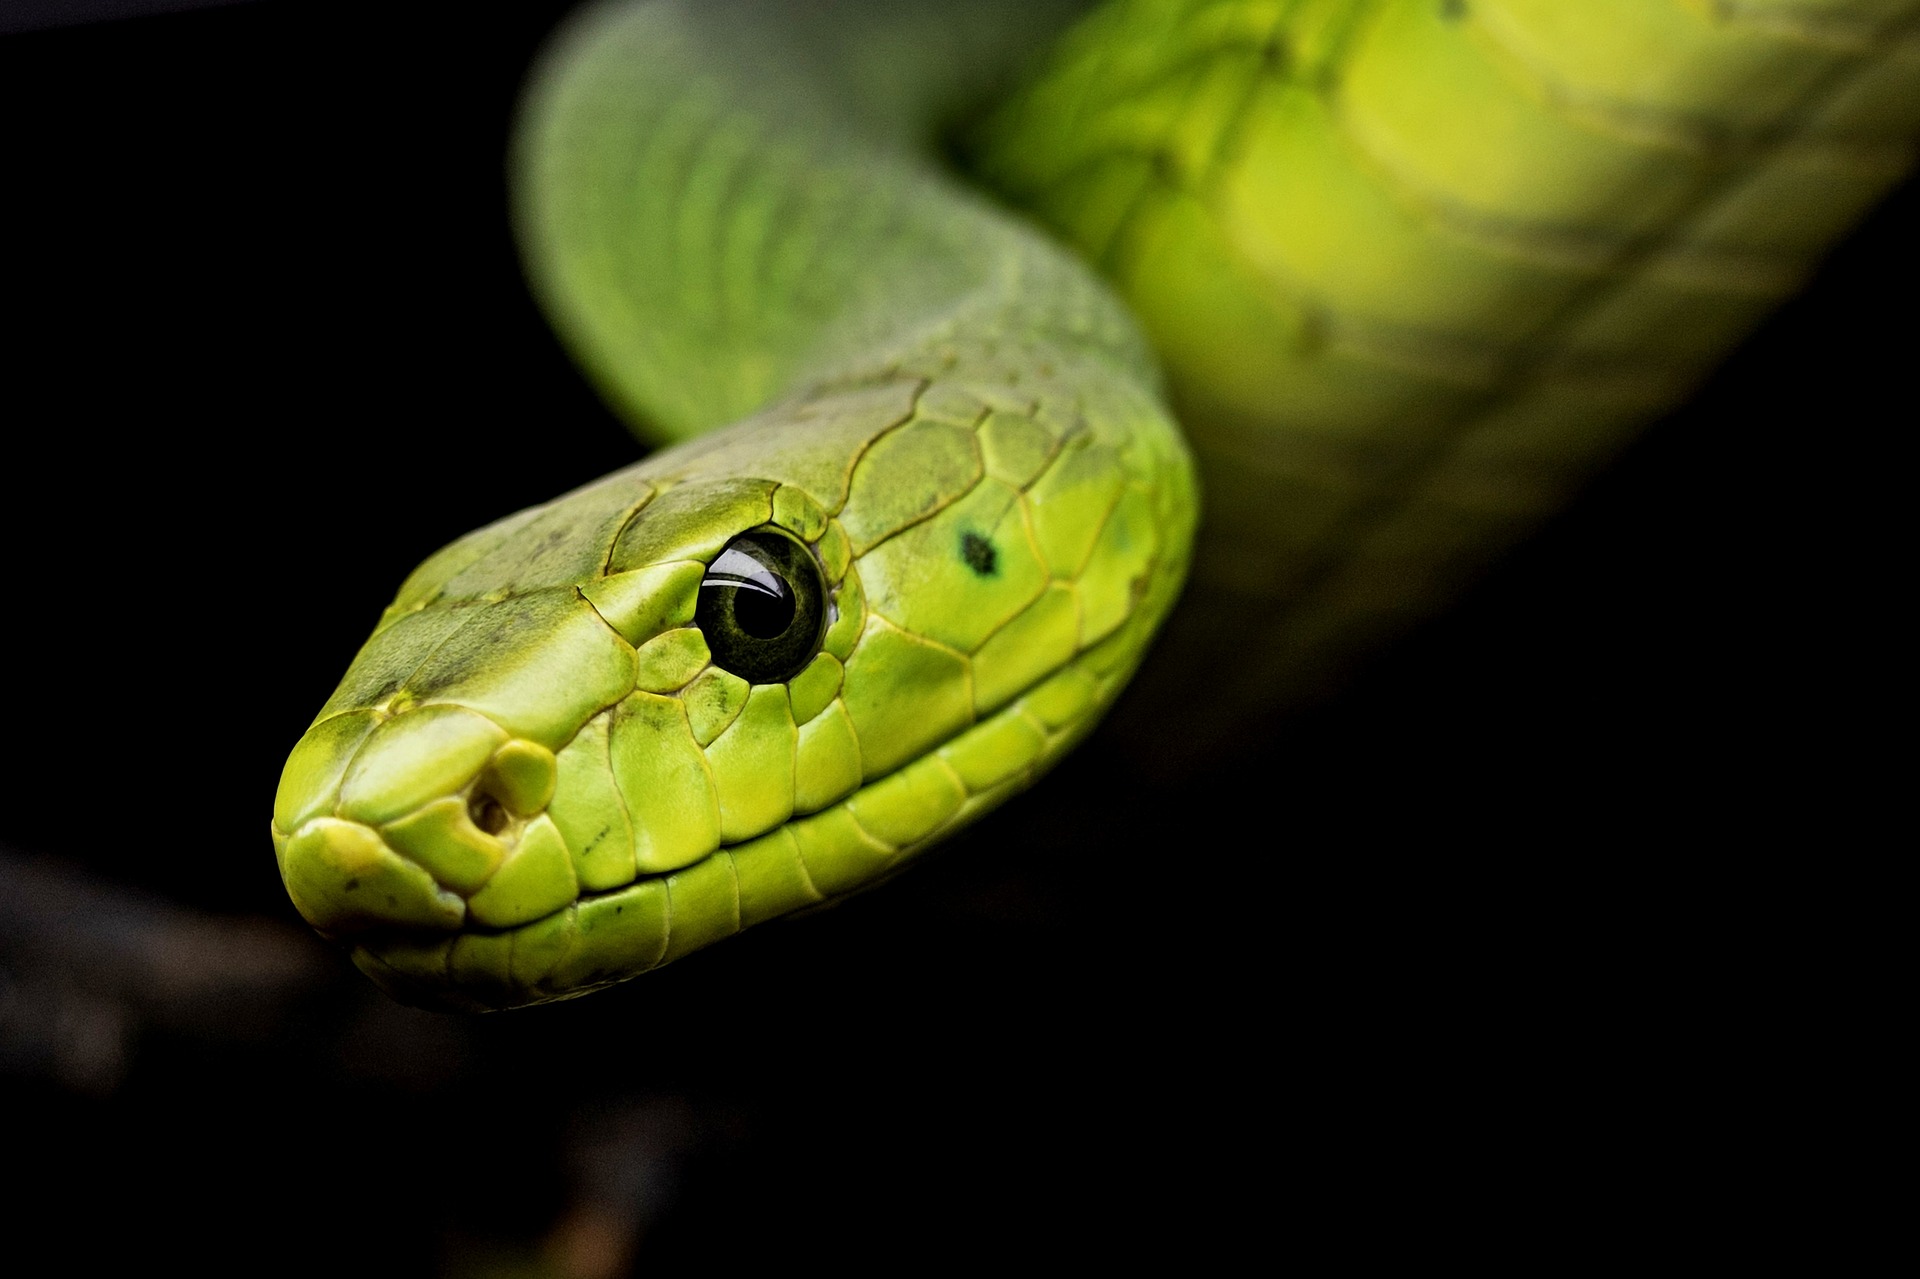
<point x="1417" y="266"/>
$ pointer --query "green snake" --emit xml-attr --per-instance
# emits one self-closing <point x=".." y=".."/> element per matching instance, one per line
<point x="1402" y="271"/>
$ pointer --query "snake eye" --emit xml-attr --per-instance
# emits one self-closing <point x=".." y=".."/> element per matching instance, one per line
<point x="762" y="607"/>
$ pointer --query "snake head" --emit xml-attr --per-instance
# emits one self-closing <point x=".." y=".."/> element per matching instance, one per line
<point x="749" y="675"/>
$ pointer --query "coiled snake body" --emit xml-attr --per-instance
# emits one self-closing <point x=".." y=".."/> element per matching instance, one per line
<point x="1412" y="268"/>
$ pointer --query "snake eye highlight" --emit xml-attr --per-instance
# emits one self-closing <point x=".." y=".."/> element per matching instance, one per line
<point x="762" y="607"/>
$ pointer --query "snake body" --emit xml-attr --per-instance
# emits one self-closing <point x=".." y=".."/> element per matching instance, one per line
<point x="1396" y="334"/>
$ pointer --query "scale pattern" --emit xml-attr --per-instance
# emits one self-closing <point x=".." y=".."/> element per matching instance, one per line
<point x="1415" y="267"/>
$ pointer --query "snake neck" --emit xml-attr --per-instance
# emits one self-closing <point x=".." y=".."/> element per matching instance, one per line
<point x="773" y="218"/>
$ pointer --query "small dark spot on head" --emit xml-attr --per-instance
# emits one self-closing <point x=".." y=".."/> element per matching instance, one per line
<point x="352" y="884"/>
<point x="1276" y="55"/>
<point x="392" y="900"/>
<point x="979" y="554"/>
<point x="1453" y="10"/>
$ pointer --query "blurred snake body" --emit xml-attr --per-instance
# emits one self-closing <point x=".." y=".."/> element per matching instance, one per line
<point x="1402" y="271"/>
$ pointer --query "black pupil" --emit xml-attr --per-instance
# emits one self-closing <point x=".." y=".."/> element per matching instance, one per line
<point x="762" y="607"/>
<point x="761" y="612"/>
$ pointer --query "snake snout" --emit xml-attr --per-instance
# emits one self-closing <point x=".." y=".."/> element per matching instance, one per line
<point x="433" y="818"/>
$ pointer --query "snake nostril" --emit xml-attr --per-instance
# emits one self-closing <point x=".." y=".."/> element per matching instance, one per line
<point x="486" y="812"/>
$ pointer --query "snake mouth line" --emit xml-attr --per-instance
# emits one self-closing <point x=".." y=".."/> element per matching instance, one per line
<point x="585" y="899"/>
<point x="607" y="935"/>
<point x="488" y="815"/>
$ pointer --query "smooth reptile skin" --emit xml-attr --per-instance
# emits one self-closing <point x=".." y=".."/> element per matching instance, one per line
<point x="1413" y="267"/>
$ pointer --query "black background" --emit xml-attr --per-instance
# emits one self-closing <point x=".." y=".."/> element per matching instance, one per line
<point x="1530" y="901"/>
